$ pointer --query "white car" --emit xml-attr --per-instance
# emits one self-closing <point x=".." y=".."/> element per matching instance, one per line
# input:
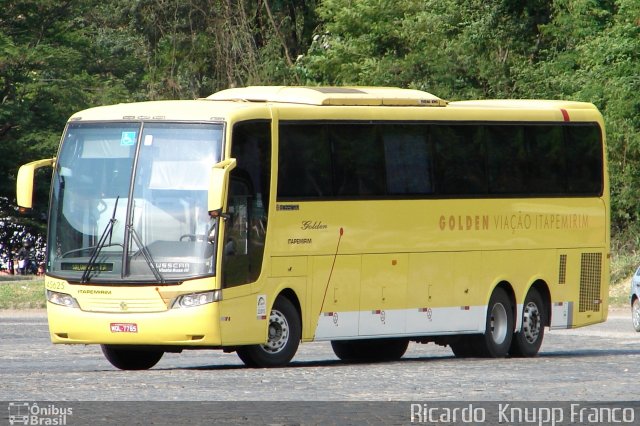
<point x="635" y="299"/>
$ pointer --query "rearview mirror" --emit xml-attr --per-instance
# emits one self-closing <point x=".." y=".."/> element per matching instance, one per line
<point x="219" y="183"/>
<point x="24" y="183"/>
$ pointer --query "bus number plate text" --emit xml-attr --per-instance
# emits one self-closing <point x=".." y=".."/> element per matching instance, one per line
<point x="121" y="327"/>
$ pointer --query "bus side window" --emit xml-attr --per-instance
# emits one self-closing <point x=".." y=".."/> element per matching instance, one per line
<point x="408" y="159"/>
<point x="460" y="159"/>
<point x="236" y="245"/>
<point x="358" y="164"/>
<point x="583" y="147"/>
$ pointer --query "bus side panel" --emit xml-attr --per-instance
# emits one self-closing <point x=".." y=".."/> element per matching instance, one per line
<point x="439" y="297"/>
<point x="243" y="317"/>
<point x="335" y="296"/>
<point x="383" y="294"/>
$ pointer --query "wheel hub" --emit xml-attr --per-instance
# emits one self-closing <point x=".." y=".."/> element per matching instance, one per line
<point x="499" y="323"/>
<point x="278" y="332"/>
<point x="531" y="322"/>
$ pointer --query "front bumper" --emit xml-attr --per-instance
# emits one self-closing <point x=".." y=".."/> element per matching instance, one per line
<point x="197" y="326"/>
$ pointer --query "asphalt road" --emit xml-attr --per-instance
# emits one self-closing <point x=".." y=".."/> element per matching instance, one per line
<point x="599" y="362"/>
<point x="596" y="363"/>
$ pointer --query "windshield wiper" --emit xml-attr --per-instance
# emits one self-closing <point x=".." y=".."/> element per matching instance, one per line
<point x="146" y="254"/>
<point x="108" y="232"/>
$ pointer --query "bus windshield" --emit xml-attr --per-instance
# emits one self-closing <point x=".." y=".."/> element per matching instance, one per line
<point x="129" y="202"/>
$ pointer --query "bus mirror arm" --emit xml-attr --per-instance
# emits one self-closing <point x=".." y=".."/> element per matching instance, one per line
<point x="219" y="184"/>
<point x="24" y="182"/>
<point x="220" y="214"/>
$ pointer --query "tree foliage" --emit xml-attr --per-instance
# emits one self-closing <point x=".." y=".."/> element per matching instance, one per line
<point x="57" y="57"/>
<point x="457" y="49"/>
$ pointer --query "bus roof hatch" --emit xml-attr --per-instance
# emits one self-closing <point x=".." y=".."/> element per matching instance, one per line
<point x="344" y="96"/>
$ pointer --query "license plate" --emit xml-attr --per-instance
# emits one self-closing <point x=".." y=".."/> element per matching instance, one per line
<point x="124" y="327"/>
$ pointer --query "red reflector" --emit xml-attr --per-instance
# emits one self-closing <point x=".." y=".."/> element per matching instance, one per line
<point x="565" y="115"/>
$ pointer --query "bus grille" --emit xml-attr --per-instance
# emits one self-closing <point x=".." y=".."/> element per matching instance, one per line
<point x="590" y="278"/>
<point x="123" y="305"/>
<point x="562" y="275"/>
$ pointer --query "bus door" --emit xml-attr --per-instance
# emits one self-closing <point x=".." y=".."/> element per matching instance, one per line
<point x="244" y="236"/>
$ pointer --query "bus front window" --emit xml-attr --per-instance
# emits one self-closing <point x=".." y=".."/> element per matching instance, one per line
<point x="129" y="202"/>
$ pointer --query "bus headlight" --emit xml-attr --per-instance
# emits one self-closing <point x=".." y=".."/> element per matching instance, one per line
<point x="197" y="299"/>
<point x="62" y="299"/>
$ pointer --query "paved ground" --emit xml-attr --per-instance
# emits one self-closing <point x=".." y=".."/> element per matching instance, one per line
<point x="597" y="363"/>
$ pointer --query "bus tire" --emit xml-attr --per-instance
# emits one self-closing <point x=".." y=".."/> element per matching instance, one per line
<point x="285" y="331"/>
<point x="499" y="326"/>
<point x="371" y="350"/>
<point x="131" y="359"/>
<point x="527" y="341"/>
<point x="465" y="346"/>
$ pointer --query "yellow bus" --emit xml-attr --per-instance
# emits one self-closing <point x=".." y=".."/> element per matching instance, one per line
<point x="262" y="217"/>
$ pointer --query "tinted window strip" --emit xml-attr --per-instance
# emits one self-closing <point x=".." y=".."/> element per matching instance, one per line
<point x="474" y="135"/>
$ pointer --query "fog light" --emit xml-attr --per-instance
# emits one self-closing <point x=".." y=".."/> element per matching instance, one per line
<point x="197" y="299"/>
<point x="62" y="299"/>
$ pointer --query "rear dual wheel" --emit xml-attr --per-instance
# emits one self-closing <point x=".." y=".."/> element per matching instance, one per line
<point x="527" y="341"/>
<point x="499" y="339"/>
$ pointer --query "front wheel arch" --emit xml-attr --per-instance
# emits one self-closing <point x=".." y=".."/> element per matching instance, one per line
<point x="293" y="298"/>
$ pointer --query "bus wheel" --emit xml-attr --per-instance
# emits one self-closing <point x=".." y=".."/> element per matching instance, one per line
<point x="496" y="340"/>
<point x="527" y="341"/>
<point x="285" y="332"/>
<point x="635" y="314"/>
<point x="374" y="350"/>
<point x="131" y="359"/>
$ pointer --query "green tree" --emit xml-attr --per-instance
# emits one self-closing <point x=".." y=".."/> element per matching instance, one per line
<point x="456" y="49"/>
<point x="196" y="48"/>
<point x="55" y="58"/>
